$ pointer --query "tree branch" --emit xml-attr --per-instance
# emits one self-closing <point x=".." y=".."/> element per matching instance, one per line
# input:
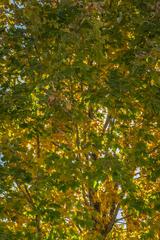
<point x="106" y="124"/>
<point x="110" y="225"/>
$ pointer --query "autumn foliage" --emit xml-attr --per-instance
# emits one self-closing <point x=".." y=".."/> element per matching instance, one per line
<point x="79" y="120"/>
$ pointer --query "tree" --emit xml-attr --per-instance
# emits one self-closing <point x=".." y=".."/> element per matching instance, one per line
<point x="79" y="129"/>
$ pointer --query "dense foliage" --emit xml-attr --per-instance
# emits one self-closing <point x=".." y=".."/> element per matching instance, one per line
<point x="79" y="119"/>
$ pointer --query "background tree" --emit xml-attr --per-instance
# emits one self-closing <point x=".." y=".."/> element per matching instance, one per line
<point x="79" y="129"/>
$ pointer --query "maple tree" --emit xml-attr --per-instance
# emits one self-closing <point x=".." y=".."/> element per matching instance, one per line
<point x="79" y="114"/>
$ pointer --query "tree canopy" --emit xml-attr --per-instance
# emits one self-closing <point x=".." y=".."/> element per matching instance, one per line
<point x="79" y="119"/>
